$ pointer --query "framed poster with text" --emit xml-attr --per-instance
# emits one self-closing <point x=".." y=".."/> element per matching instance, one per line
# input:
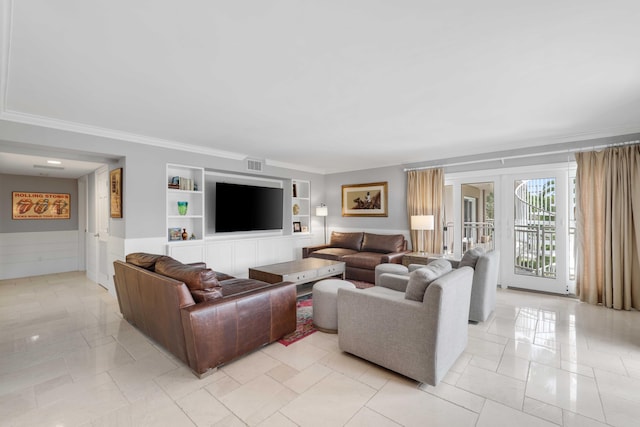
<point x="29" y="205"/>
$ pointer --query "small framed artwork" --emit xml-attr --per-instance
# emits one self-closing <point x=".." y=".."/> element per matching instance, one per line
<point x="175" y="234"/>
<point x="297" y="227"/>
<point x="365" y="199"/>
<point x="116" y="193"/>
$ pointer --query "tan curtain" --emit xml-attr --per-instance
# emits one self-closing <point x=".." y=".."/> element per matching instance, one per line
<point x="424" y="197"/>
<point x="608" y="227"/>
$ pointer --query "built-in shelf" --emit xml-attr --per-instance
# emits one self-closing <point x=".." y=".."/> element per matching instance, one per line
<point x="301" y="205"/>
<point x="191" y="179"/>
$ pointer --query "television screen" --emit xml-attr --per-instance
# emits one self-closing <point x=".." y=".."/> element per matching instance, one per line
<point x="247" y="208"/>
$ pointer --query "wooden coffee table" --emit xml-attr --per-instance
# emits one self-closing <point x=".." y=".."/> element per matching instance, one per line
<point x="301" y="271"/>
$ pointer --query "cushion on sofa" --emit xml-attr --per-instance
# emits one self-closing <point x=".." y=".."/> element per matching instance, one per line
<point x="470" y="258"/>
<point x="203" y="295"/>
<point x="384" y="243"/>
<point x="196" y="278"/>
<point x="420" y="279"/>
<point x="143" y="260"/>
<point x="346" y="240"/>
<point x="333" y="254"/>
<point x="366" y="260"/>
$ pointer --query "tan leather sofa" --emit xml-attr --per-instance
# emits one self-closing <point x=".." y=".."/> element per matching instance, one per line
<point x="203" y="317"/>
<point x="361" y="252"/>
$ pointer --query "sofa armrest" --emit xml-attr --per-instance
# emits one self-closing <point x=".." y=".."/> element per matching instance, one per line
<point x="394" y="257"/>
<point x="218" y="331"/>
<point x="397" y="282"/>
<point x="306" y="251"/>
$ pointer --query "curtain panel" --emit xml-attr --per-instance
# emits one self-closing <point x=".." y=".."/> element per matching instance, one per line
<point x="425" y="197"/>
<point x="608" y="227"/>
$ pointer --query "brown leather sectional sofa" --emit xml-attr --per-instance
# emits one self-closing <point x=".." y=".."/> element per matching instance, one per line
<point x="361" y="252"/>
<point x="203" y="317"/>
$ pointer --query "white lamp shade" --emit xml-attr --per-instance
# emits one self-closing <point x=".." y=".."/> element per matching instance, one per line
<point x="322" y="211"/>
<point x="422" y="222"/>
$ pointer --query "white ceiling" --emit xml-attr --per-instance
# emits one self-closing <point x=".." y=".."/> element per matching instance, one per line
<point x="327" y="85"/>
<point x="21" y="164"/>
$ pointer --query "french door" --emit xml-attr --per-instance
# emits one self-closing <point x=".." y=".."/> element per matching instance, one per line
<point x="536" y="239"/>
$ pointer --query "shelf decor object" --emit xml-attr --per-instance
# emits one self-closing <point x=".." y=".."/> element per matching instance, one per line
<point x="182" y="207"/>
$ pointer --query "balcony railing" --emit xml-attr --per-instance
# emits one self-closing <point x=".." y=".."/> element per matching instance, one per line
<point x="474" y="234"/>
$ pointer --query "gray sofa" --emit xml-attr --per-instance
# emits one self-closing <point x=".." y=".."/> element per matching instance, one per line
<point x="419" y="339"/>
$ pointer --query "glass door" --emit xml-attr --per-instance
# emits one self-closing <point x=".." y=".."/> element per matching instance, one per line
<point x="537" y="232"/>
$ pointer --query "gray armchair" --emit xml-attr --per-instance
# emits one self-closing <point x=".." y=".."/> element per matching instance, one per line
<point x="418" y="339"/>
<point x="485" y="284"/>
<point x="485" y="279"/>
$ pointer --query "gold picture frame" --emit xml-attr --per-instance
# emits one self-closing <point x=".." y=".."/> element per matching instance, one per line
<point x="116" y="192"/>
<point x="369" y="199"/>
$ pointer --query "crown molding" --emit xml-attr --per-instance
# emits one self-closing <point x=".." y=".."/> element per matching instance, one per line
<point x="286" y="165"/>
<point x="47" y="122"/>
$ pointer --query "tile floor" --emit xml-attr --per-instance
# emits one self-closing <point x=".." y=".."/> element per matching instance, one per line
<point x="68" y="359"/>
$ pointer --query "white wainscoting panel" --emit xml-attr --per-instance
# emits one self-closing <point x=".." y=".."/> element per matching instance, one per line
<point x="34" y="254"/>
<point x="245" y="253"/>
<point x="220" y="256"/>
<point x="186" y="252"/>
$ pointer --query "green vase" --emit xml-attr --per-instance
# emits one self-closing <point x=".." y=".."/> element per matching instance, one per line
<point x="182" y="207"/>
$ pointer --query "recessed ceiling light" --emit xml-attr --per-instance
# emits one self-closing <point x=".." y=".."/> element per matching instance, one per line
<point x="54" y="162"/>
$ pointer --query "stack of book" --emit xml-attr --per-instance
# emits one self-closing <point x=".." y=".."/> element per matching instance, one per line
<point x="180" y="183"/>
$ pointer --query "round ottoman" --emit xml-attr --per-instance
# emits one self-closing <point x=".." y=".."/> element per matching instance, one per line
<point x="325" y="307"/>
<point x="389" y="268"/>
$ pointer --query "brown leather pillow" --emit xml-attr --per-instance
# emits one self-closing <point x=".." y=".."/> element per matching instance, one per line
<point x="196" y="278"/>
<point x="384" y="243"/>
<point x="207" y="294"/>
<point x="346" y="240"/>
<point x="143" y="260"/>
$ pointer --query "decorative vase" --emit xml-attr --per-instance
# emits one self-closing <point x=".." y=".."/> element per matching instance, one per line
<point x="185" y="235"/>
<point x="182" y="207"/>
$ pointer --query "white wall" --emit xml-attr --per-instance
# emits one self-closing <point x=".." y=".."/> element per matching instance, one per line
<point x="37" y="253"/>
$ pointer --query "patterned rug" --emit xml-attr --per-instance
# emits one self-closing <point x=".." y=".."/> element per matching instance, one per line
<point x="304" y="327"/>
<point x="304" y="313"/>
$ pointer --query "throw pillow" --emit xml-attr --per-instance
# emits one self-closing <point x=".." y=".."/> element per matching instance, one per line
<point x="346" y="240"/>
<point x="196" y="278"/>
<point x="470" y="258"/>
<point x="143" y="260"/>
<point x="383" y="243"/>
<point x="420" y="279"/>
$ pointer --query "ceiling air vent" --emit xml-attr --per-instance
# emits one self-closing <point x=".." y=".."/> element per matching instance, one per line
<point x="254" y="165"/>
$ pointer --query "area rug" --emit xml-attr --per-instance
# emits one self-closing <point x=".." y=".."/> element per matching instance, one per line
<point x="304" y="315"/>
<point x="304" y="324"/>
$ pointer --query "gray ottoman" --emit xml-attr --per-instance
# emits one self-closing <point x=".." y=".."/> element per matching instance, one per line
<point x="389" y="268"/>
<point x="325" y="308"/>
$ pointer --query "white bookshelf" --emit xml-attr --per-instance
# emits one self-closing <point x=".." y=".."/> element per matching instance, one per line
<point x="190" y="181"/>
<point x="301" y="205"/>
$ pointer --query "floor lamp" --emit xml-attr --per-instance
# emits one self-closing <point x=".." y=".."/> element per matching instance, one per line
<point x="421" y="223"/>
<point x="323" y="211"/>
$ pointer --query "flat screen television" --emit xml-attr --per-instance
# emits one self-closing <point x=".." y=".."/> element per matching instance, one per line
<point x="247" y="208"/>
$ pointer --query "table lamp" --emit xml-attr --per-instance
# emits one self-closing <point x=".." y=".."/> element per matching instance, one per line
<point x="421" y="223"/>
